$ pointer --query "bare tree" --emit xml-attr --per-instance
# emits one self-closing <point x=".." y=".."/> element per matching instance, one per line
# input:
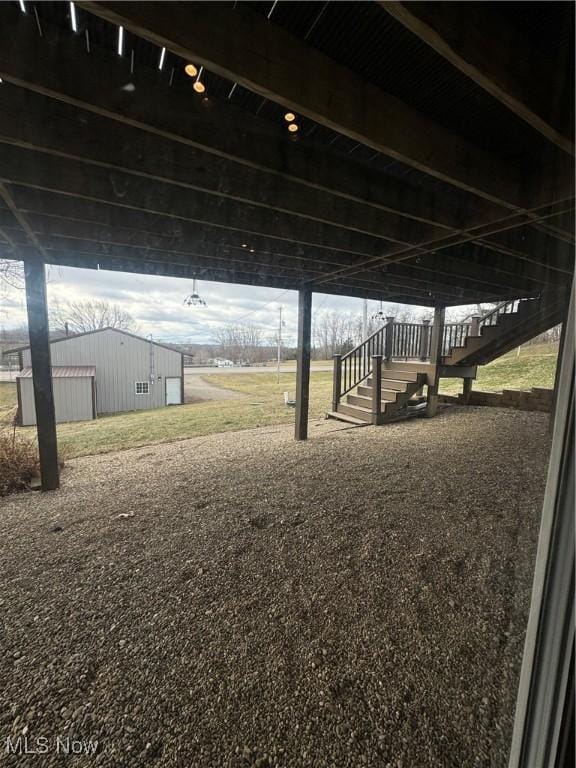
<point x="11" y="274"/>
<point x="92" y="315"/>
<point x="241" y="343"/>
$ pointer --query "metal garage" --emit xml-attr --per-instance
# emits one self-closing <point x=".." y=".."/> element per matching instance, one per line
<point x="74" y="394"/>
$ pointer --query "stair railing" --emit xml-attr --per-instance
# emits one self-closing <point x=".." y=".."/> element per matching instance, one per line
<point x="454" y="335"/>
<point x="505" y="308"/>
<point x="404" y="341"/>
<point x="352" y="368"/>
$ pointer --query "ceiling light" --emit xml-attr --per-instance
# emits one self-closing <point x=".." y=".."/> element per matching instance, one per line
<point x="190" y="70"/>
<point x="162" y="57"/>
<point x="199" y="86"/>
<point x="289" y="117"/>
<point x="73" y="20"/>
<point x="120" y="40"/>
<point x="293" y="127"/>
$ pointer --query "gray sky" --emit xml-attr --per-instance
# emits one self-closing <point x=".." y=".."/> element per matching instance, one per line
<point x="157" y="303"/>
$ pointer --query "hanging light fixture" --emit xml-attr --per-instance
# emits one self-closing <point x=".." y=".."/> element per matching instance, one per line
<point x="190" y="70"/>
<point x="194" y="299"/>
<point x="379" y="316"/>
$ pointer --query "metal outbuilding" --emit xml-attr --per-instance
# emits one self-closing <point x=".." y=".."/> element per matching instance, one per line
<point x="74" y="389"/>
<point x="105" y="371"/>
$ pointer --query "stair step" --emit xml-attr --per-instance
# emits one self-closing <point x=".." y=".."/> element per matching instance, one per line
<point x="388" y="395"/>
<point x="344" y="417"/>
<point x="400" y="386"/>
<point x="393" y="374"/>
<point x="363" y="414"/>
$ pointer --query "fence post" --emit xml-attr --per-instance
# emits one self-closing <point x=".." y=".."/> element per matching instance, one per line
<point x="389" y="338"/>
<point x="475" y="325"/>
<point x="376" y="388"/>
<point x="336" y="381"/>
<point x="424" y="340"/>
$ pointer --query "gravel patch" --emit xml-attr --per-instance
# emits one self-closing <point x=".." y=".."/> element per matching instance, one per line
<point x="198" y="390"/>
<point x="244" y="600"/>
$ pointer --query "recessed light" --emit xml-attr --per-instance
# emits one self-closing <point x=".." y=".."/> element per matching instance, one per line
<point x="293" y="127"/>
<point x="199" y="86"/>
<point x="190" y="70"/>
<point x="289" y="117"/>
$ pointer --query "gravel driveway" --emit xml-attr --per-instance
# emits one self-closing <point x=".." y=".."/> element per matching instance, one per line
<point x="245" y="600"/>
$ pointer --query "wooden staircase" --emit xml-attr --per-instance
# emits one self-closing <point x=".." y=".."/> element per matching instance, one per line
<point x="398" y="385"/>
<point x="505" y="328"/>
<point x="395" y="361"/>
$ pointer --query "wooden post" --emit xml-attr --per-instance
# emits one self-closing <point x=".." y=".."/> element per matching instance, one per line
<point x="303" y="363"/>
<point x="376" y="388"/>
<point x="475" y="325"/>
<point x="436" y="359"/>
<point x="467" y="390"/>
<point x="389" y="338"/>
<point x="35" y="281"/>
<point x="336" y="381"/>
<point x="424" y="338"/>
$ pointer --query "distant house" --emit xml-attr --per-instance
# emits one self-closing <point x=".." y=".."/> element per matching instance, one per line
<point x="104" y="371"/>
<point x="220" y="362"/>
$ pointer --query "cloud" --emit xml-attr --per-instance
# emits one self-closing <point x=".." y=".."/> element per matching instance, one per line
<point x="157" y="303"/>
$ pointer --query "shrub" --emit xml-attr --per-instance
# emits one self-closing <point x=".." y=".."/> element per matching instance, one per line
<point x="18" y="461"/>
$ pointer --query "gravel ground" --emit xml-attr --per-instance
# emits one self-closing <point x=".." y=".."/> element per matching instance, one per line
<point x="245" y="600"/>
<point x="197" y="390"/>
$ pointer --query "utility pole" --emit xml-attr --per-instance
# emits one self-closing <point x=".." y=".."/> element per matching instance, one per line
<point x="279" y="344"/>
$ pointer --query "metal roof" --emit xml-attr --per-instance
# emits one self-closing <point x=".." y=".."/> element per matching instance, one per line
<point x="63" y="372"/>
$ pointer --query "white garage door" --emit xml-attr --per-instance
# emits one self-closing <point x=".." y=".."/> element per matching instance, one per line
<point x="173" y="392"/>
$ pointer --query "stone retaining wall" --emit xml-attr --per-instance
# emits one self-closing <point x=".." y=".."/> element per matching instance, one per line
<point x="537" y="399"/>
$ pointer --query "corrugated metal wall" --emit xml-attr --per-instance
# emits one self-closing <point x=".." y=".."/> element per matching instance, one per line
<point x="121" y="360"/>
<point x="72" y="399"/>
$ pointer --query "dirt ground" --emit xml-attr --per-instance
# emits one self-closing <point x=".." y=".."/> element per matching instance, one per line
<point x="245" y="600"/>
<point x="197" y="390"/>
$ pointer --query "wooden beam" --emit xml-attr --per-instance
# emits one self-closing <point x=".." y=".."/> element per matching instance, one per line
<point x="49" y="73"/>
<point x="247" y="49"/>
<point x="303" y="363"/>
<point x="36" y="306"/>
<point x="95" y="82"/>
<point x="35" y="122"/>
<point x="128" y="260"/>
<point x="481" y="45"/>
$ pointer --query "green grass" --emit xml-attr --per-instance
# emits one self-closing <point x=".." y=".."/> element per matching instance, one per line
<point x="262" y="406"/>
<point x="130" y="430"/>
<point x="533" y="367"/>
<point x="7" y="400"/>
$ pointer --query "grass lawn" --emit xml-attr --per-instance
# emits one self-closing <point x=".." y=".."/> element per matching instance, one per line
<point x="263" y="406"/>
<point x="533" y="367"/>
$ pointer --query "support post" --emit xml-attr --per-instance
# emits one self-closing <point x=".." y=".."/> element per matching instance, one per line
<point x="37" y="309"/>
<point x="376" y="388"/>
<point x="467" y="390"/>
<point x="389" y="339"/>
<point x="424" y="340"/>
<point x="336" y="381"/>
<point x="435" y="359"/>
<point x="303" y="363"/>
<point x="475" y="325"/>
